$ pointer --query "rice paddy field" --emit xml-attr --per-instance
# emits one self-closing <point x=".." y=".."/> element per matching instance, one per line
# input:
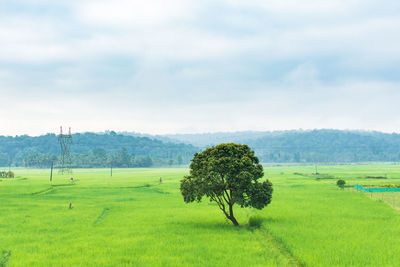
<point x="131" y="219"/>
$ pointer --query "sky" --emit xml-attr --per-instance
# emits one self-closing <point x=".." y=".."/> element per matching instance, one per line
<point x="186" y="66"/>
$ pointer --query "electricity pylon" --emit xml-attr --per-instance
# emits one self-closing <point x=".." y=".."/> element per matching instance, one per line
<point x="65" y="141"/>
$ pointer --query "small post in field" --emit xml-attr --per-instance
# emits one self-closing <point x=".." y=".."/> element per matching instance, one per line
<point x="51" y="172"/>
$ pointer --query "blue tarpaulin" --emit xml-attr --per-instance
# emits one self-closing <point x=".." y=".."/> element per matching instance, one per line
<point x="376" y="189"/>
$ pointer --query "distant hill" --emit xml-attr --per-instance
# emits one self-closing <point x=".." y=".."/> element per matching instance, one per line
<point x="306" y="146"/>
<point x="141" y="150"/>
<point x="94" y="150"/>
<point x="163" y="138"/>
<point x="203" y="140"/>
<point x="327" y="146"/>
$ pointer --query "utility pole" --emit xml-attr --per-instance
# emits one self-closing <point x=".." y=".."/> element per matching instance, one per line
<point x="51" y="172"/>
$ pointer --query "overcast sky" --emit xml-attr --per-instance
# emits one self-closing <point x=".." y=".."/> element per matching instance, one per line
<point x="180" y="66"/>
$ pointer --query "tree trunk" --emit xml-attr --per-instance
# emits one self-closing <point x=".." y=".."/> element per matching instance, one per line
<point x="234" y="221"/>
<point x="231" y="217"/>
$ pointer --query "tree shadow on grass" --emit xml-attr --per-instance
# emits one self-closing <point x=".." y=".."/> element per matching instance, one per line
<point x="251" y="223"/>
<point x="217" y="225"/>
<point x="273" y="220"/>
<point x="258" y="221"/>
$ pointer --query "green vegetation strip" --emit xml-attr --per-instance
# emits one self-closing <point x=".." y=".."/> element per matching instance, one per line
<point x="266" y="236"/>
<point x="51" y="188"/>
<point x="44" y="191"/>
<point x="103" y="214"/>
<point x="57" y="185"/>
<point x="316" y="176"/>
<point x="5" y="256"/>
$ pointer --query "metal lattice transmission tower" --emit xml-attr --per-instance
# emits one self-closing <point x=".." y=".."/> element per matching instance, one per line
<point x="65" y="141"/>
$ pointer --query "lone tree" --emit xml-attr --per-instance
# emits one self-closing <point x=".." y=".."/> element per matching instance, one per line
<point x="340" y="183"/>
<point x="227" y="174"/>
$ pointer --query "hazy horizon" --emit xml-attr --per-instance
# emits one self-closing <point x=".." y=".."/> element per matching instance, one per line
<point x="185" y="66"/>
<point x="65" y="130"/>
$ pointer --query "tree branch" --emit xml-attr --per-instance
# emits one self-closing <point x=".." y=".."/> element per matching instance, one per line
<point x="227" y="200"/>
<point x="221" y="205"/>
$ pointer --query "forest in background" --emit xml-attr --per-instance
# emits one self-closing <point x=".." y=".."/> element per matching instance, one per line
<point x="139" y="150"/>
<point x="93" y="150"/>
<point x="304" y="146"/>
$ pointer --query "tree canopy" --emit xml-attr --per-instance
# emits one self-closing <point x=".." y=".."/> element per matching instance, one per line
<point x="227" y="174"/>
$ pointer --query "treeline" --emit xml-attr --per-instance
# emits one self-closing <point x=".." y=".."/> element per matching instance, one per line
<point x="98" y="158"/>
<point x="93" y="150"/>
<point x="307" y="146"/>
<point x="102" y="150"/>
<point x="327" y="146"/>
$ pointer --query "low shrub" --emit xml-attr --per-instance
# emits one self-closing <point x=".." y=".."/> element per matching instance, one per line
<point x="255" y="221"/>
<point x="5" y="174"/>
<point x="340" y="183"/>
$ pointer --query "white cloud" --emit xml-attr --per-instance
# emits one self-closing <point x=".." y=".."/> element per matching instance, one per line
<point x="206" y="65"/>
<point x="138" y="13"/>
<point x="173" y="30"/>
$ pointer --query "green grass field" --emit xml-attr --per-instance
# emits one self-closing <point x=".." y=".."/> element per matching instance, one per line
<point x="131" y="219"/>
